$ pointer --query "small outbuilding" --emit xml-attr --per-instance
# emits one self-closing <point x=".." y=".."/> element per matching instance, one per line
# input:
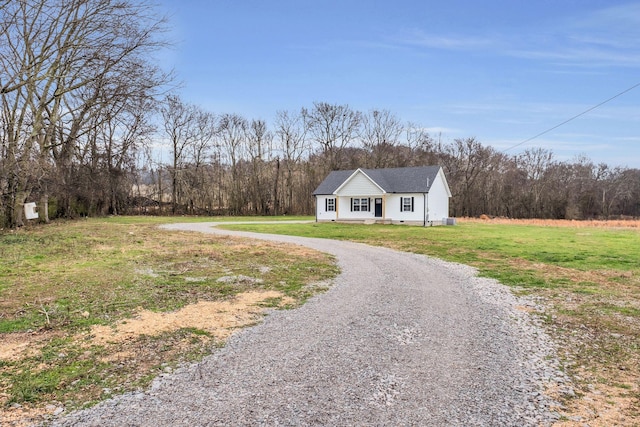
<point x="413" y="195"/>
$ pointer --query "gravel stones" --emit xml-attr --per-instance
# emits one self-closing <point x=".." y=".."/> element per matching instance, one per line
<point x="401" y="339"/>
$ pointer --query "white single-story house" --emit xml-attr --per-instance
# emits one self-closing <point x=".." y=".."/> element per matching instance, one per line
<point x="414" y="195"/>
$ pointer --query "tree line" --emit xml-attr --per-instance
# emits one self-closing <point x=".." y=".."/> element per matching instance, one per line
<point x="90" y="127"/>
<point x="254" y="168"/>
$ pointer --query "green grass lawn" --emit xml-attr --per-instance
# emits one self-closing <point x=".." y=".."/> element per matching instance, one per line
<point x="495" y="250"/>
<point x="142" y="219"/>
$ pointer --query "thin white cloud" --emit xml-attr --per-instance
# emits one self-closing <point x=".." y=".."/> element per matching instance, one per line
<point x="514" y="121"/>
<point x="445" y="42"/>
<point x="606" y="37"/>
<point x="582" y="55"/>
<point x="559" y="144"/>
<point x="476" y="107"/>
<point x="532" y="112"/>
<point x="601" y="40"/>
<point x="441" y="130"/>
<point x="515" y="111"/>
<point x="621" y="19"/>
<point x="627" y="139"/>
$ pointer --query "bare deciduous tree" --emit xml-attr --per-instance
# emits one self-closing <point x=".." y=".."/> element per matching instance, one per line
<point x="333" y="127"/>
<point x="291" y="131"/>
<point x="466" y="162"/>
<point x="259" y="149"/>
<point x="52" y="52"/>
<point x="232" y="132"/>
<point x="534" y="163"/>
<point x="190" y="131"/>
<point x="380" y="134"/>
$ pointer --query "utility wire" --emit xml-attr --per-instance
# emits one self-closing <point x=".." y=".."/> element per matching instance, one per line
<point x="572" y="118"/>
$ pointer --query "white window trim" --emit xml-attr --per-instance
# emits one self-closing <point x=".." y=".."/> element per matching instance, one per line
<point x="331" y="205"/>
<point x="360" y="204"/>
<point x="406" y="204"/>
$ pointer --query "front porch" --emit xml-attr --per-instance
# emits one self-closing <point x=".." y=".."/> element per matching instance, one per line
<point x="372" y="221"/>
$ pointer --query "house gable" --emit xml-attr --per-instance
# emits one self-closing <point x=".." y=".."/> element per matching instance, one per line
<point x="359" y="184"/>
<point x="334" y="180"/>
<point x="444" y="182"/>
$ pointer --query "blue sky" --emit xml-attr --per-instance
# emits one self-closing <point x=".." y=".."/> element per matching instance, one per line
<point x="499" y="71"/>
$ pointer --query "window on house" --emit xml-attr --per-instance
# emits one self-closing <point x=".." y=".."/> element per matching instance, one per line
<point x="406" y="204"/>
<point x="330" y="205"/>
<point x="360" y="205"/>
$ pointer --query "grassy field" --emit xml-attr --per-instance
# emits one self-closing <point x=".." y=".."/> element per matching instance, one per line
<point x="587" y="275"/>
<point x="84" y="305"/>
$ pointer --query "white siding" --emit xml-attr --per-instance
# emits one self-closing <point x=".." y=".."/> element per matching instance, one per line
<point x="438" y="202"/>
<point x="345" y="212"/>
<point x="359" y="185"/>
<point x="321" y="213"/>
<point x="393" y="208"/>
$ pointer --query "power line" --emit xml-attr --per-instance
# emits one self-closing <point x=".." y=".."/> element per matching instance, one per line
<point x="573" y="118"/>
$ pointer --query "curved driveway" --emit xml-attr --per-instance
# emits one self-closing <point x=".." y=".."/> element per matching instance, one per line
<point x="400" y="340"/>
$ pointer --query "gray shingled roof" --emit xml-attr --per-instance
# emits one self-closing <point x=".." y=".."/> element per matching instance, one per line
<point x="392" y="180"/>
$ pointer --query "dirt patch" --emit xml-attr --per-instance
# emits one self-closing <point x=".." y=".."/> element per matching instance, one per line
<point x="600" y="405"/>
<point x="219" y="318"/>
<point x="605" y="278"/>
<point x="526" y="309"/>
<point x="18" y="345"/>
<point x="20" y="416"/>
<point x="141" y="342"/>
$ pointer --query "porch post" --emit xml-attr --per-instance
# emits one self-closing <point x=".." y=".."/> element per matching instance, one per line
<point x="384" y="207"/>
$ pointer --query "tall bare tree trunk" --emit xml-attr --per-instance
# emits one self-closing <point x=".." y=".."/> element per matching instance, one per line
<point x="276" y="201"/>
<point x="43" y="209"/>
<point x="18" y="208"/>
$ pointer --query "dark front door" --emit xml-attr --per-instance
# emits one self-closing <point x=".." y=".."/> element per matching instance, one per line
<point x="378" y="208"/>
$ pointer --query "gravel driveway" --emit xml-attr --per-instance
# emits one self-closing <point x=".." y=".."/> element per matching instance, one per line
<point x="399" y="340"/>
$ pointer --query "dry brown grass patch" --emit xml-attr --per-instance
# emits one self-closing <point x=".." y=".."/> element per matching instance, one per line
<point x="620" y="223"/>
<point x="131" y="343"/>
<point x="219" y="318"/>
<point x="602" y="405"/>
